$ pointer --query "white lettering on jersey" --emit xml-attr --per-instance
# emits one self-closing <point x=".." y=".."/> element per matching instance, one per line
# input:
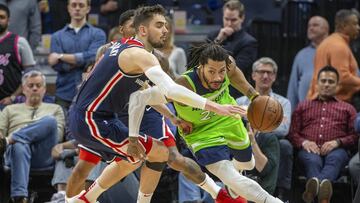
<point x="4" y="59"/>
<point x="115" y="49"/>
<point x="143" y="84"/>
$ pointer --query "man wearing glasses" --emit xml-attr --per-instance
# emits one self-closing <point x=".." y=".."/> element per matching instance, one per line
<point x="267" y="147"/>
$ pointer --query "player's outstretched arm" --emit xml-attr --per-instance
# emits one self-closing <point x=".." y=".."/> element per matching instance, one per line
<point x="151" y="96"/>
<point x="239" y="81"/>
<point x="137" y="60"/>
<point x="137" y="103"/>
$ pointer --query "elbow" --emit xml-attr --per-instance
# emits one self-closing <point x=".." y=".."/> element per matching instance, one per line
<point x="170" y="91"/>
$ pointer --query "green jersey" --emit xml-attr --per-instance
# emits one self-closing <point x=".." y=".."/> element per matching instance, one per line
<point x="210" y="129"/>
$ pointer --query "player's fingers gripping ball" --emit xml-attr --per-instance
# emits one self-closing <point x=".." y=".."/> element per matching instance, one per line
<point x="265" y="114"/>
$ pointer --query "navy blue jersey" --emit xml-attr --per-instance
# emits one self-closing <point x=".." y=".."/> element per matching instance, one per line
<point x="108" y="88"/>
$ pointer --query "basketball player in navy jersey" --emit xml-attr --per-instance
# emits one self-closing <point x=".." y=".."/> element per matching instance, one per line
<point x="124" y="69"/>
<point x="152" y="123"/>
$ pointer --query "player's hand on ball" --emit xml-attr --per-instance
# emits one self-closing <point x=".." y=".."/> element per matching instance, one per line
<point x="135" y="149"/>
<point x="265" y="113"/>
<point x="231" y="110"/>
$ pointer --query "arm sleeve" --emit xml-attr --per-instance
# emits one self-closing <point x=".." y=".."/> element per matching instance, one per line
<point x="55" y="46"/>
<point x="26" y="54"/>
<point x="174" y="91"/>
<point x="137" y="102"/>
<point x="98" y="39"/>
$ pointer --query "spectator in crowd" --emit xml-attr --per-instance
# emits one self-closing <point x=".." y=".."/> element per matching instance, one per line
<point x="65" y="154"/>
<point x="303" y="66"/>
<point x="15" y="56"/>
<point x="25" y="20"/>
<point x="126" y="26"/>
<point x="59" y="18"/>
<point x="110" y="10"/>
<point x="114" y="34"/>
<point x="323" y="130"/>
<point x="28" y="131"/>
<point x="46" y="16"/>
<point x="335" y="51"/>
<point x="235" y="39"/>
<point x="267" y="151"/>
<point x="72" y="49"/>
<point x="175" y="55"/>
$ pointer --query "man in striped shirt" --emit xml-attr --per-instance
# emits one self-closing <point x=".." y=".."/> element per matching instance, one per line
<point x="323" y="130"/>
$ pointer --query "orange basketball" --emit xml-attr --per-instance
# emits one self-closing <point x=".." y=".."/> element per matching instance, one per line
<point x="265" y="114"/>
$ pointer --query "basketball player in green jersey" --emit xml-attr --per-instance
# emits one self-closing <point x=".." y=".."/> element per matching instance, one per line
<point x="220" y="143"/>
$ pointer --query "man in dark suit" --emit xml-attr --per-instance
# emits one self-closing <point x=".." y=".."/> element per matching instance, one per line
<point x="235" y="39"/>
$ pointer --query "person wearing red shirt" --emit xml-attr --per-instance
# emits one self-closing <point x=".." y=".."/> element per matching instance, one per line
<point x="322" y="129"/>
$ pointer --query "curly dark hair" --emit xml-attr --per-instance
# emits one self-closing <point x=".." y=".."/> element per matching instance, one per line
<point x="199" y="55"/>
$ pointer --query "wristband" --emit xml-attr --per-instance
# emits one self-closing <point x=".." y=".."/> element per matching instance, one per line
<point x="252" y="97"/>
<point x="60" y="56"/>
<point x="338" y="141"/>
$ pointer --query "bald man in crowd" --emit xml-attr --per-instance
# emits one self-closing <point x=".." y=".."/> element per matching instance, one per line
<point x="303" y="65"/>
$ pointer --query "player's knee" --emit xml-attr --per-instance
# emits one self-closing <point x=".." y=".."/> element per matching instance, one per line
<point x="247" y="165"/>
<point x="174" y="158"/>
<point x="156" y="166"/>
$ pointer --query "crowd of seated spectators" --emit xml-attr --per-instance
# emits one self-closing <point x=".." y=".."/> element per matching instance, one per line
<point x="319" y="132"/>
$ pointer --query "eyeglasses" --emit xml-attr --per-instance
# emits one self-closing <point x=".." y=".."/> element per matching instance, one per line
<point x="262" y="72"/>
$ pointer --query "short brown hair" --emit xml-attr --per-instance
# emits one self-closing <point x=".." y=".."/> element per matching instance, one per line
<point x="235" y="5"/>
<point x="144" y="14"/>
